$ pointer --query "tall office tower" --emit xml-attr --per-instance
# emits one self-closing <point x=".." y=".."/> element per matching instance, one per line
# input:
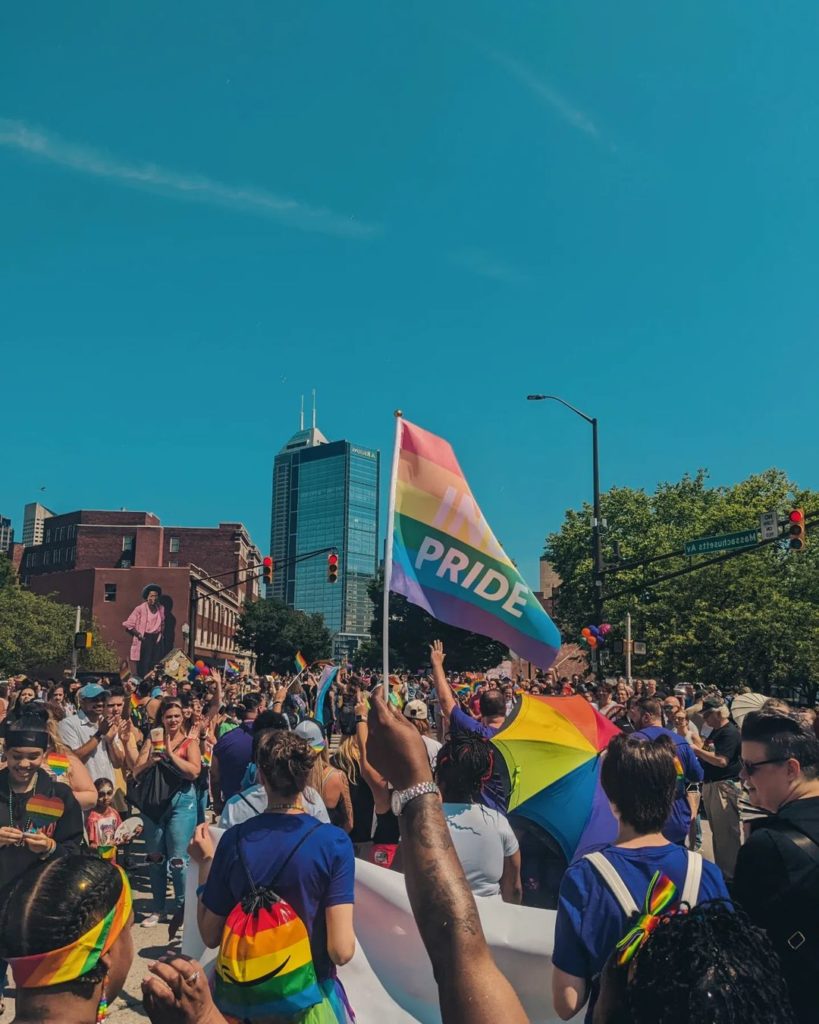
<point x="6" y="536"/>
<point x="325" y="494"/>
<point x="34" y="517"/>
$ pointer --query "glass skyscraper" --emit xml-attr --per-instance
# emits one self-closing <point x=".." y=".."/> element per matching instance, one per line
<point x="325" y="494"/>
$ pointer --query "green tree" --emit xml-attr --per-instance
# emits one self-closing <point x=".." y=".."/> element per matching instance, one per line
<point x="412" y="630"/>
<point x="752" y="619"/>
<point x="38" y="633"/>
<point x="275" y="632"/>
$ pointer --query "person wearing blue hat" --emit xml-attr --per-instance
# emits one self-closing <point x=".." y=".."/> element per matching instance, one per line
<point x="89" y="735"/>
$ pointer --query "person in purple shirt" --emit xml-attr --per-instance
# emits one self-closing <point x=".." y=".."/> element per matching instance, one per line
<point x="646" y="717"/>
<point x="495" y="793"/>
<point x="232" y="754"/>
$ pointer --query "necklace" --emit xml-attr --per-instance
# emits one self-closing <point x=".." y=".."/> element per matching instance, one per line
<point x="11" y="800"/>
<point x="285" y="807"/>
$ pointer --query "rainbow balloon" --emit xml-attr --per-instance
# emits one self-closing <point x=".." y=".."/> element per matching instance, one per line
<point x="265" y="964"/>
<point x="446" y="559"/>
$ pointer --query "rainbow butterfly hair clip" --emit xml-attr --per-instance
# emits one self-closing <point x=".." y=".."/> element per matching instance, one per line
<point x="661" y="893"/>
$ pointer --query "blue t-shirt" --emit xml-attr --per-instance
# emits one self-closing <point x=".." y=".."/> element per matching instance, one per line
<point x="320" y="875"/>
<point x="234" y="752"/>
<point x="590" y="922"/>
<point x="495" y="793"/>
<point x="676" y="828"/>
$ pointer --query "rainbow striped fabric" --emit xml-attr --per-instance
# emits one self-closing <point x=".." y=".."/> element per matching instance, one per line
<point x="59" y="966"/>
<point x="446" y="559"/>
<point x="265" y="964"/>
<point x="328" y="675"/>
<point x="58" y="764"/>
<point x="42" y="811"/>
<point x="301" y="661"/>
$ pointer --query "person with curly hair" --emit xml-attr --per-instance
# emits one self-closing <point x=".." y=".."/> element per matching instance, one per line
<point x="706" y="965"/>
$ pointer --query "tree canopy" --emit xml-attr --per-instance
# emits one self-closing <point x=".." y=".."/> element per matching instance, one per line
<point x="275" y="632"/>
<point x="37" y="632"/>
<point x="753" y="619"/>
<point x="412" y="630"/>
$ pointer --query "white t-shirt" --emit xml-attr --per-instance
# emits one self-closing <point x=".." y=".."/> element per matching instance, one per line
<point x="433" y="746"/>
<point x="244" y="806"/>
<point x="75" y="732"/>
<point x="482" y="838"/>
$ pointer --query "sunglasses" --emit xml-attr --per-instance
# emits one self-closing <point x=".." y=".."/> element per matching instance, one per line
<point x="751" y="766"/>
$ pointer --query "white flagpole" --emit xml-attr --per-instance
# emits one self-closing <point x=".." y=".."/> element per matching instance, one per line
<point x="388" y="555"/>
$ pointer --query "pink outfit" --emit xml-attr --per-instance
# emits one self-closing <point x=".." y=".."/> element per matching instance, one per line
<point x="144" y="620"/>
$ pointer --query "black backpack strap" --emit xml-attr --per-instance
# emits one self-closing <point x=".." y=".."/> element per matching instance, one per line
<point x="249" y="804"/>
<point x="802" y="841"/>
<point x="253" y="887"/>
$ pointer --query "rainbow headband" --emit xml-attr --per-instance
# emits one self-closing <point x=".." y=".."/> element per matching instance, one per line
<point x="60" y="966"/>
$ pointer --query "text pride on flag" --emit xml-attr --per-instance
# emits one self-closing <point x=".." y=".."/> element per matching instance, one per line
<point x="447" y="560"/>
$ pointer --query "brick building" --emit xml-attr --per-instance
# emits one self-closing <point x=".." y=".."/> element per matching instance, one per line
<point x="103" y="560"/>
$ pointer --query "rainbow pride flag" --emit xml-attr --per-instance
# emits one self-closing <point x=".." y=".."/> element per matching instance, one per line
<point x="232" y="668"/>
<point x="301" y="661"/>
<point x="58" y="764"/>
<point x="446" y="559"/>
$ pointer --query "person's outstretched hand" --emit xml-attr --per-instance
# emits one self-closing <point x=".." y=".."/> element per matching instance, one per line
<point x="394" y="746"/>
<point x="436" y="653"/>
<point x="177" y="992"/>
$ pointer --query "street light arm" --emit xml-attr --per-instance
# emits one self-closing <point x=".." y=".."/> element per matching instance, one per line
<point x="556" y="398"/>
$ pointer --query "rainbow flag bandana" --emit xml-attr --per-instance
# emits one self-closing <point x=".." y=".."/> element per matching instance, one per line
<point x="446" y="559"/>
<point x="60" y="966"/>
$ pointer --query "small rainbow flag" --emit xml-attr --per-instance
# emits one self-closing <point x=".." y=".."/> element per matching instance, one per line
<point x="301" y="662"/>
<point x="134" y="702"/>
<point x="107" y="852"/>
<point x="58" y="764"/>
<point x="231" y="668"/>
<point x="42" y="811"/>
<point x="207" y="757"/>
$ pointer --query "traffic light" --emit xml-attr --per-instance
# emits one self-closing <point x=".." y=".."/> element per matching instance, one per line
<point x="332" y="567"/>
<point x="797" y="536"/>
<point x="83" y="641"/>
<point x="267" y="570"/>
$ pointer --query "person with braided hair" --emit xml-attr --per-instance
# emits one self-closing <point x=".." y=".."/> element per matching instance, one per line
<point x="706" y="965"/>
<point x="482" y="837"/>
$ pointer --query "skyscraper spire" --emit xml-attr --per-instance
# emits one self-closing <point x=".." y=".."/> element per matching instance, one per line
<point x="314" y="408"/>
<point x="301" y="416"/>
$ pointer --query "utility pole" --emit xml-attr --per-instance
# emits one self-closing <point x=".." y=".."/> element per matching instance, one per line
<point x="75" y="654"/>
<point x="597" y="542"/>
<point x="628" y="648"/>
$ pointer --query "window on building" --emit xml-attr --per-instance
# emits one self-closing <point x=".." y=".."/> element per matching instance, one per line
<point x="173" y="563"/>
<point x="46" y="558"/>
<point x="110" y="592"/>
<point x="48" y="536"/>
<point x="173" y="545"/>
<point x="128" y="542"/>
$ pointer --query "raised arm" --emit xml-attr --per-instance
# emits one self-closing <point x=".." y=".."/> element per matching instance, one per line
<point x="471" y="989"/>
<point x="446" y="698"/>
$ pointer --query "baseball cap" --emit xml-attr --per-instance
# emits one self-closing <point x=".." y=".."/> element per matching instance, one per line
<point x="416" y="709"/>
<point x="311" y="733"/>
<point x="90" y="691"/>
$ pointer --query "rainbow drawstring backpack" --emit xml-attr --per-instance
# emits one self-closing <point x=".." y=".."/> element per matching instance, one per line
<point x="265" y="964"/>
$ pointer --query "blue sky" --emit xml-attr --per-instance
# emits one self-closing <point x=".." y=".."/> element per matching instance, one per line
<point x="208" y="209"/>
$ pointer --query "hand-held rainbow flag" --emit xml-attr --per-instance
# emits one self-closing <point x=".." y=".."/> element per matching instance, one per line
<point x="445" y="558"/>
<point x="326" y="680"/>
<point x="301" y="662"/>
<point x="58" y="764"/>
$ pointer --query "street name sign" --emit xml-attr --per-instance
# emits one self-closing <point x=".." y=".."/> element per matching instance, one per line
<point x="722" y="542"/>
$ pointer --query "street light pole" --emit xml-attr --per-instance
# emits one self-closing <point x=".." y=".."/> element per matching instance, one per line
<point x="596" y="536"/>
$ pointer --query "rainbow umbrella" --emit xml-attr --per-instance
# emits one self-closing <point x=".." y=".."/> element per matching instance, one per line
<point x="552" y="748"/>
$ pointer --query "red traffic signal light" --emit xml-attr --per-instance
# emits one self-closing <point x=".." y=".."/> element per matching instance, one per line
<point x="332" y="567"/>
<point x="797" y="535"/>
<point x="267" y="569"/>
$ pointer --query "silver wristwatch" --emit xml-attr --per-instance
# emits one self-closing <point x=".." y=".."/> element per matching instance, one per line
<point x="401" y="797"/>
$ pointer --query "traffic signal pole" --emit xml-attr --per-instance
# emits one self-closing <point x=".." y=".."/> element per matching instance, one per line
<point x="75" y="654"/>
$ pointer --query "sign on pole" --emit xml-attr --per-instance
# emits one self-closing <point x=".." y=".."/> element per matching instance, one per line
<point x="722" y="542"/>
<point x="769" y="525"/>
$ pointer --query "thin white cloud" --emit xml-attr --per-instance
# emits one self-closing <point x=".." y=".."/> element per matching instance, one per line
<point x="484" y="264"/>
<point x="17" y="135"/>
<point x="550" y="98"/>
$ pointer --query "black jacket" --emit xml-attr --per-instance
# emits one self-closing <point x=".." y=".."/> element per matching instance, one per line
<point x="66" y="831"/>
<point x="775" y="882"/>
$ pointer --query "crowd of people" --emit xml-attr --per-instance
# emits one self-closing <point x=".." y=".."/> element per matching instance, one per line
<point x="103" y="778"/>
